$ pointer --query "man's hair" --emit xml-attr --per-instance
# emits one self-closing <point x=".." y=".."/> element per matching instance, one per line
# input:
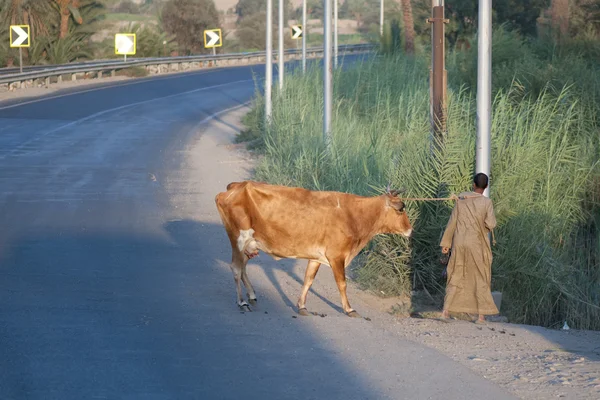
<point x="481" y="180"/>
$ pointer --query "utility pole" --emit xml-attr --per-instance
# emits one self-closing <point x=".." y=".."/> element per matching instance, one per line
<point x="484" y="89"/>
<point x="327" y="89"/>
<point x="335" y="33"/>
<point x="438" y="70"/>
<point x="269" y="63"/>
<point x="381" y="19"/>
<point x="281" y="39"/>
<point x="304" y="32"/>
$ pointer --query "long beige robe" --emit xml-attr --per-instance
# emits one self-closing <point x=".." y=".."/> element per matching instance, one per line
<point x="468" y="287"/>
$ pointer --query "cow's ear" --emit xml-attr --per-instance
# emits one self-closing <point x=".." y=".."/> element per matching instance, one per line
<point x="395" y="203"/>
<point x="399" y="206"/>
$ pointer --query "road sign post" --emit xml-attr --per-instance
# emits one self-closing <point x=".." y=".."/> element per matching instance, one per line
<point x="297" y="34"/>
<point x="125" y="44"/>
<point x="19" y="37"/>
<point x="213" y="39"/>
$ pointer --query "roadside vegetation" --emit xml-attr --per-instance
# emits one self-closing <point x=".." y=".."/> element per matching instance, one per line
<point x="545" y="172"/>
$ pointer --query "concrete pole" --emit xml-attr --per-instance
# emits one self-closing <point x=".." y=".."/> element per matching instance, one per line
<point x="381" y="18"/>
<point x="304" y="32"/>
<point x="281" y="40"/>
<point x="327" y="87"/>
<point x="269" y="62"/>
<point x="335" y="33"/>
<point x="484" y="89"/>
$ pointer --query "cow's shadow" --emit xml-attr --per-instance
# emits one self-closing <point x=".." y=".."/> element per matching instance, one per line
<point x="288" y="266"/>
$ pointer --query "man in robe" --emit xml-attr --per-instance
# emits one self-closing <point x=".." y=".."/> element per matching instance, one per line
<point x="469" y="272"/>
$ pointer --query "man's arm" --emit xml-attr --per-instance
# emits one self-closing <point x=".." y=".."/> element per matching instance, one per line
<point x="490" y="218"/>
<point x="446" y="242"/>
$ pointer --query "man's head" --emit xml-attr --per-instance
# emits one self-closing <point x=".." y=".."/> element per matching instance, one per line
<point x="480" y="182"/>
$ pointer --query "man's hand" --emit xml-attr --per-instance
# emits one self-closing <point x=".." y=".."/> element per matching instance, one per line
<point x="445" y="250"/>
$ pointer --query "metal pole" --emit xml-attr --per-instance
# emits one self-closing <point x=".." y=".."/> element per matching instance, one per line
<point x="304" y="31"/>
<point x="281" y="39"/>
<point x="335" y="33"/>
<point x="381" y="19"/>
<point x="214" y="51"/>
<point x="269" y="62"/>
<point x="125" y="59"/>
<point x="484" y="89"/>
<point x="327" y="89"/>
<point x="21" y="59"/>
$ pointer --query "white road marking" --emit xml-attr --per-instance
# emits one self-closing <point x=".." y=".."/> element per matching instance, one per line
<point x="122" y="108"/>
<point x="212" y="116"/>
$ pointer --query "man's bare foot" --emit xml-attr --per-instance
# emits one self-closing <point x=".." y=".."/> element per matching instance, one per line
<point x="480" y="320"/>
<point x="445" y="314"/>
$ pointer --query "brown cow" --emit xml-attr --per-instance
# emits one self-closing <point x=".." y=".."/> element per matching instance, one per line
<point x="288" y="222"/>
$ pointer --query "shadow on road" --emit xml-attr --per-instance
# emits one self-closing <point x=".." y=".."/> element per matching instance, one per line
<point x="118" y="314"/>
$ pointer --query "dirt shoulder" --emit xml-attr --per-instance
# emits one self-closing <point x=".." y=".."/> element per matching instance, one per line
<point x="530" y="361"/>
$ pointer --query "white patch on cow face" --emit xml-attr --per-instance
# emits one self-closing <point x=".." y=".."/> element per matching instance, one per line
<point x="408" y="232"/>
<point x="244" y="238"/>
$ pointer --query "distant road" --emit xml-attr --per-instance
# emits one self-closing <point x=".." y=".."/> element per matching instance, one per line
<point x="113" y="265"/>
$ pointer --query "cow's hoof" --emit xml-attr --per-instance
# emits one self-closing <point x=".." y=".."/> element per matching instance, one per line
<point x="304" y="312"/>
<point x="245" y="307"/>
<point x="253" y="301"/>
<point x="353" y="314"/>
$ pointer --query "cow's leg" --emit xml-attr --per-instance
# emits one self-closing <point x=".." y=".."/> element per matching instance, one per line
<point x="338" y="269"/>
<point x="246" y="280"/>
<point x="309" y="277"/>
<point x="237" y="266"/>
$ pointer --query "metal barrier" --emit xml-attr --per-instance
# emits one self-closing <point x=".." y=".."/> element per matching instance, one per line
<point x="156" y="65"/>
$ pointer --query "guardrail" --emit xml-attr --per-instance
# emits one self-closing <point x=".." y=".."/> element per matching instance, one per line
<point x="157" y="65"/>
<point x="31" y="68"/>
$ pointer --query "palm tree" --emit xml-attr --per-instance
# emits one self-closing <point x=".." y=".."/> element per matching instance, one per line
<point x="66" y="8"/>
<point x="34" y="13"/>
<point x="409" y="26"/>
<point x="560" y="16"/>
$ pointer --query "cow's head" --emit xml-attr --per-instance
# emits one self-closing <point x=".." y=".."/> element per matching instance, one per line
<point x="395" y="218"/>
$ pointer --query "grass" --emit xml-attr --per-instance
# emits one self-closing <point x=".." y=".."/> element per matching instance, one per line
<point x="316" y="39"/>
<point x="545" y="177"/>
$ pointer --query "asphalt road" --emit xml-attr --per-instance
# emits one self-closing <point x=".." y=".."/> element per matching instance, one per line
<point x="113" y="265"/>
